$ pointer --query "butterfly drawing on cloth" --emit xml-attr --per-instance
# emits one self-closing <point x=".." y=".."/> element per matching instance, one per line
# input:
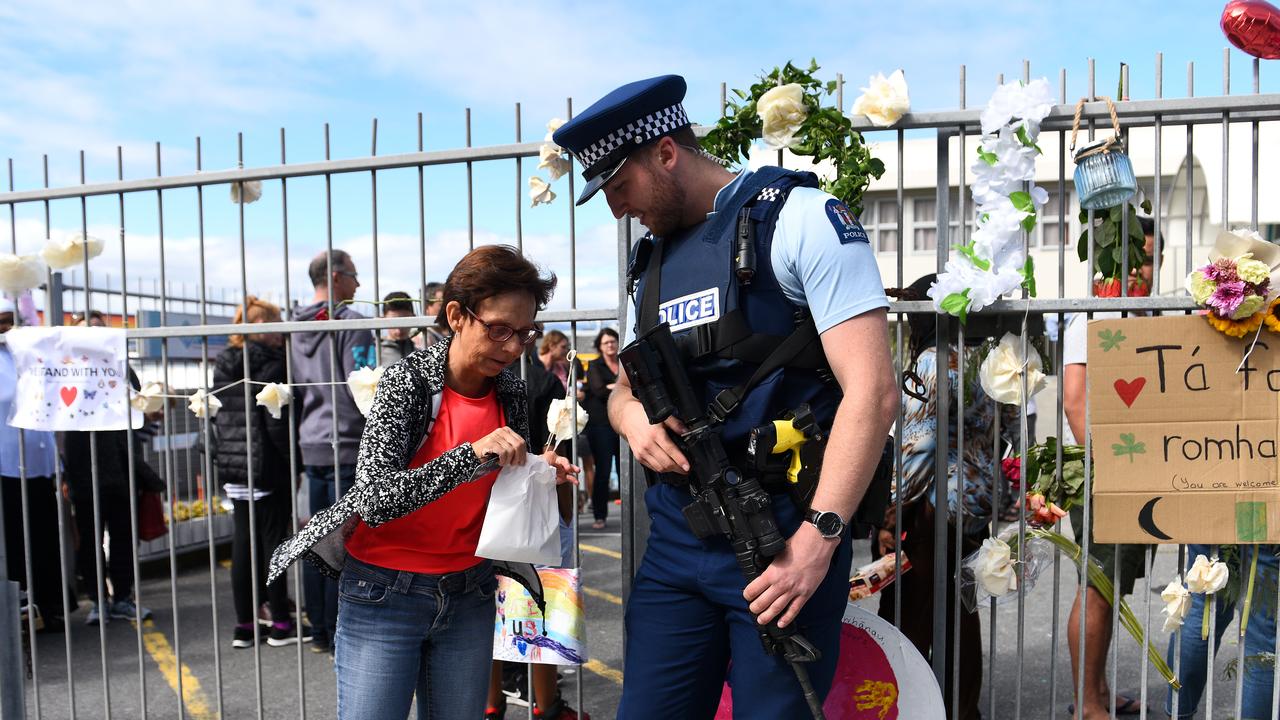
<point x="90" y="394"/>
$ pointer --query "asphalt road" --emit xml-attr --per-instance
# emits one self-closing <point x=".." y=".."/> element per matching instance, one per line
<point x="294" y="683"/>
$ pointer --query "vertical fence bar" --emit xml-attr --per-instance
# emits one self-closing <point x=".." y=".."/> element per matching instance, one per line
<point x="959" y="520"/>
<point x="471" y="216"/>
<point x="943" y="381"/>
<point x="377" y="286"/>
<point x="422" y="224"/>
<point x="207" y="434"/>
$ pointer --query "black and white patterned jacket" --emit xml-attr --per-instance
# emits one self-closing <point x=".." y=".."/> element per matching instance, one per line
<point x="404" y="408"/>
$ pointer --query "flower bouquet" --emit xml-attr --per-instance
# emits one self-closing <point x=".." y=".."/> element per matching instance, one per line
<point x="1235" y="288"/>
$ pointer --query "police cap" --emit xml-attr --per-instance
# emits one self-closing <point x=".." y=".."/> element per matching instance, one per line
<point x="604" y="135"/>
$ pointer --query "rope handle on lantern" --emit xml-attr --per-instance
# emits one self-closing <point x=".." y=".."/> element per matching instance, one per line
<point x="1115" y="124"/>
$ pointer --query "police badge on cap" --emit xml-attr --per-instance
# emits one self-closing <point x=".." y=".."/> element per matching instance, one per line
<point x="618" y="124"/>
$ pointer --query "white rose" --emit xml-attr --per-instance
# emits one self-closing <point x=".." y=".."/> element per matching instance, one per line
<point x="994" y="568"/>
<point x="70" y="251"/>
<point x="199" y="402"/>
<point x="148" y="399"/>
<point x="885" y="100"/>
<point x="1177" y="602"/>
<point x="552" y="159"/>
<point x="19" y="273"/>
<point x="540" y="192"/>
<point x="560" y="418"/>
<point x="364" y="384"/>
<point x="274" y="396"/>
<point x="1207" y="577"/>
<point x="252" y="191"/>
<point x="782" y="111"/>
<point x="1001" y="371"/>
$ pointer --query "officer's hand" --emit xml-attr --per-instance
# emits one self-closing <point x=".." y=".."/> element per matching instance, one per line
<point x="653" y="445"/>
<point x="503" y="442"/>
<point x="793" y="576"/>
<point x="566" y="472"/>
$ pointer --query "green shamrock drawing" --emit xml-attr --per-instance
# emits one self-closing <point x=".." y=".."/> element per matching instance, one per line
<point x="1111" y="339"/>
<point x="1128" y="446"/>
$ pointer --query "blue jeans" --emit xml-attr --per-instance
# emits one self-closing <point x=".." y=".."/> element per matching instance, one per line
<point x="403" y="633"/>
<point x="1260" y="637"/>
<point x="322" y="592"/>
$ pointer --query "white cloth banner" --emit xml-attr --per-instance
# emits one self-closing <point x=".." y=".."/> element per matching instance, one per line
<point x="70" y="378"/>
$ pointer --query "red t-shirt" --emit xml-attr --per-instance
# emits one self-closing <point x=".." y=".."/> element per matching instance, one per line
<point x="439" y="537"/>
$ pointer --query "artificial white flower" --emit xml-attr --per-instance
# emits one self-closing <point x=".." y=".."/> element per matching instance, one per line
<point x="1013" y="101"/>
<point x="71" y="250"/>
<point x="960" y="274"/>
<point x="252" y="191"/>
<point x="1207" y="577"/>
<point x="552" y="126"/>
<point x="1001" y="372"/>
<point x="885" y="100"/>
<point x="199" y="403"/>
<point x="994" y="568"/>
<point x="540" y="192"/>
<point x="560" y="418"/>
<point x="274" y="396"/>
<point x="1177" y="602"/>
<point x="19" y="273"/>
<point x="552" y="159"/>
<point x="149" y="398"/>
<point x="782" y="112"/>
<point x="364" y="385"/>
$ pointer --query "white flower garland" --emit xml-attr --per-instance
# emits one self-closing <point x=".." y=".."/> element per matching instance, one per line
<point x="995" y="262"/>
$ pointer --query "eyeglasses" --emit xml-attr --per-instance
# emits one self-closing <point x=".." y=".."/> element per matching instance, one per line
<point x="501" y="333"/>
<point x="348" y="273"/>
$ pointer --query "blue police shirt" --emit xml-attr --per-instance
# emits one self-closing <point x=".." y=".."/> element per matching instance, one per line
<point x="820" y="256"/>
<point x="41" y="450"/>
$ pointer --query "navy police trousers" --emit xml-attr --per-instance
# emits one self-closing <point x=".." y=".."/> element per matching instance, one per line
<point x="688" y="627"/>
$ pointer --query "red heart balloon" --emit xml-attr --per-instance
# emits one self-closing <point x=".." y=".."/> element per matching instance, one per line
<point x="1253" y="26"/>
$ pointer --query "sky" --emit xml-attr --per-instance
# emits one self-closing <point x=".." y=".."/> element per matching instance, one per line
<point x="90" y="77"/>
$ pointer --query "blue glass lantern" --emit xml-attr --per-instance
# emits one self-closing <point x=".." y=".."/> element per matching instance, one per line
<point x="1104" y="176"/>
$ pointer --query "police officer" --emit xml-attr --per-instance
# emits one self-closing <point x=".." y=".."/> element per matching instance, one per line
<point x="687" y="619"/>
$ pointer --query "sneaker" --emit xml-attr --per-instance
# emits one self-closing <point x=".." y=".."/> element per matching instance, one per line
<point x="495" y="713"/>
<point x="287" y="634"/>
<point x="516" y="688"/>
<point x="94" y="615"/>
<point x="242" y="637"/>
<point x="126" y="610"/>
<point x="320" y="643"/>
<point x="560" y="710"/>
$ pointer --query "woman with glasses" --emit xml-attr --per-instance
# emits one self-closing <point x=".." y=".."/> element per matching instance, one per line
<point x="415" y="607"/>
<point x="976" y="494"/>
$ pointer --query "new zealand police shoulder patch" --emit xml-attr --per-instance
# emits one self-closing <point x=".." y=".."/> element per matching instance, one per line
<point x="848" y="229"/>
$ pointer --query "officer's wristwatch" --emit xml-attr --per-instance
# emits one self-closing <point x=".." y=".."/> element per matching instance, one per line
<point x="829" y="524"/>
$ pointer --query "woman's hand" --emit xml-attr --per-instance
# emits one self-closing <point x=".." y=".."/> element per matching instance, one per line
<point x="503" y="442"/>
<point x="566" y="472"/>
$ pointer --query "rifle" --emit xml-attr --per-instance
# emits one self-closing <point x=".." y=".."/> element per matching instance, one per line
<point x="725" y="502"/>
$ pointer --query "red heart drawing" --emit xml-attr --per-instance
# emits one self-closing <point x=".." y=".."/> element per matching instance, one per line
<point x="1128" y="390"/>
<point x="68" y="394"/>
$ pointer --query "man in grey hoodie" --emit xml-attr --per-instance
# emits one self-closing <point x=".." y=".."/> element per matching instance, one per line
<point x="330" y="426"/>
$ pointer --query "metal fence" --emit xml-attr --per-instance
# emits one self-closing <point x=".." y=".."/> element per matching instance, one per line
<point x="1027" y="671"/>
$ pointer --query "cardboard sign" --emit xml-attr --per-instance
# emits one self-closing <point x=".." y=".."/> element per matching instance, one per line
<point x="70" y="378"/>
<point x="1184" y="446"/>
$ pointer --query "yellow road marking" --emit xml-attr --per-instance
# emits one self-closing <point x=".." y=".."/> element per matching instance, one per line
<point x="604" y="671"/>
<point x="606" y="596"/>
<point x="601" y="551"/>
<point x="192" y="696"/>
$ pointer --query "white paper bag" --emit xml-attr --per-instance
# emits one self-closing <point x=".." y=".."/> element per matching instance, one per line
<point x="522" y="522"/>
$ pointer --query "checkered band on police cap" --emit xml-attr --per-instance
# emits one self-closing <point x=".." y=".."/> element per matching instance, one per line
<point x="610" y="149"/>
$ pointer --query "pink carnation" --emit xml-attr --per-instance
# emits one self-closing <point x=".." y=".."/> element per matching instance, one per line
<point x="1222" y="270"/>
<point x="1227" y="297"/>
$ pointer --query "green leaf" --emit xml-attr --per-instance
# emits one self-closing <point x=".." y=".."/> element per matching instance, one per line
<point x="1026" y="140"/>
<point x="957" y="304"/>
<point x="831" y="86"/>
<point x="1029" y="276"/>
<point x="1022" y="201"/>
<point x="1028" y="223"/>
<point x="987" y="157"/>
<point x="967" y="251"/>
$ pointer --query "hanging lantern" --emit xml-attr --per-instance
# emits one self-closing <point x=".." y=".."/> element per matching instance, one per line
<point x="1104" y="175"/>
